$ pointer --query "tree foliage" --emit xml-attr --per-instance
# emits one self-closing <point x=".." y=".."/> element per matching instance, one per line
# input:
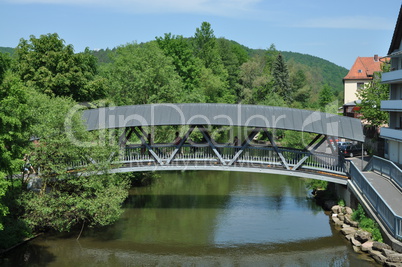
<point x="281" y="79"/>
<point x="69" y="198"/>
<point x="186" y="64"/>
<point x="53" y="68"/>
<point x="3" y="190"/>
<point x="325" y="97"/>
<point x="142" y="74"/>
<point x="14" y="121"/>
<point x="371" y="96"/>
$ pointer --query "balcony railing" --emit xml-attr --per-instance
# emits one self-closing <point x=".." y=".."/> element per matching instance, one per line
<point x="391" y="105"/>
<point x="389" y="133"/>
<point x="392" y="76"/>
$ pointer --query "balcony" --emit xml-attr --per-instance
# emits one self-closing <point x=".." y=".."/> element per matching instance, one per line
<point x="393" y="134"/>
<point x="392" y="76"/>
<point x="391" y="105"/>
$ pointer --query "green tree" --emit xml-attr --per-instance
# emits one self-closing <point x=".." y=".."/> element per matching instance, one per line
<point x="51" y="67"/>
<point x="325" y="97"/>
<point x="15" y="123"/>
<point x="254" y="82"/>
<point x="371" y="96"/>
<point x="5" y="61"/>
<point x="3" y="190"/>
<point x="14" y="135"/>
<point x="142" y="74"/>
<point x="281" y="79"/>
<point x="205" y="45"/>
<point x="67" y="198"/>
<point x="231" y="62"/>
<point x="214" y="89"/>
<point x="185" y="63"/>
<point x="214" y="77"/>
<point x="300" y="86"/>
<point x="271" y="55"/>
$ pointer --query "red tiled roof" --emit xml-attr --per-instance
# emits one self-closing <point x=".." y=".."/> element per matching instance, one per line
<point x="364" y="68"/>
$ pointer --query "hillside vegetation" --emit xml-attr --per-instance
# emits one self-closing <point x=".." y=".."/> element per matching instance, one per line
<point x="317" y="71"/>
<point x="246" y="71"/>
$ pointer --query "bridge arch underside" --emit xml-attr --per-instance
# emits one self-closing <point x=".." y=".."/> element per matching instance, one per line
<point x="245" y="155"/>
<point x="317" y="175"/>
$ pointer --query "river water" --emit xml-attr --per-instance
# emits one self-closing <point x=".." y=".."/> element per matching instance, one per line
<point x="204" y="219"/>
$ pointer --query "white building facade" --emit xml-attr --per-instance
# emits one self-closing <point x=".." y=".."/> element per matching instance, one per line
<point x="393" y="133"/>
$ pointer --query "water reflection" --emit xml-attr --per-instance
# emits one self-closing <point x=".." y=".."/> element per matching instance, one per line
<point x="204" y="219"/>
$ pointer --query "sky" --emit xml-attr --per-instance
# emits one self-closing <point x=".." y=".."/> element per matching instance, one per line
<point x="338" y="31"/>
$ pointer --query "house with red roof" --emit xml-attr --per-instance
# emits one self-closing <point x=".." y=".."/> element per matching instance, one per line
<point x="359" y="75"/>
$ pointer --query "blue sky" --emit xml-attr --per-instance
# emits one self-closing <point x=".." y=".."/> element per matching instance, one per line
<point x="338" y="31"/>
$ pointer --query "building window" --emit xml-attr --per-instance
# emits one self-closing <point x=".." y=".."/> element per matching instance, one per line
<point x="400" y="122"/>
<point x="360" y="86"/>
<point x="400" y="91"/>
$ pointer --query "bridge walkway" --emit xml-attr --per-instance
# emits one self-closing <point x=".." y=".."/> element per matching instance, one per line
<point x="388" y="190"/>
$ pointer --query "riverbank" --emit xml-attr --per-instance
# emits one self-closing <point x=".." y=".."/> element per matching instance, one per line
<point x="361" y="240"/>
<point x="3" y="251"/>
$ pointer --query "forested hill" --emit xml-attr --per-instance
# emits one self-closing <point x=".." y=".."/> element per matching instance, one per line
<point x="318" y="71"/>
<point x="8" y="50"/>
<point x="331" y="73"/>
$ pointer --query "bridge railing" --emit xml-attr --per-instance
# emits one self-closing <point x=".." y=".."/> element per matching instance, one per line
<point x="385" y="168"/>
<point x="392" y="221"/>
<point x="257" y="155"/>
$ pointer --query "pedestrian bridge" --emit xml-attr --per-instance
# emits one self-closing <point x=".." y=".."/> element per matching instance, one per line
<point x="246" y="153"/>
<point x="318" y="159"/>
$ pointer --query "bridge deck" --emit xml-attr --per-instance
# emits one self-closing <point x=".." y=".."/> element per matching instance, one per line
<point x="391" y="194"/>
<point x="239" y="167"/>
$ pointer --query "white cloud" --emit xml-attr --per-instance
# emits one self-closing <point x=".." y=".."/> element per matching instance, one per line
<point x="216" y="7"/>
<point x="350" y="22"/>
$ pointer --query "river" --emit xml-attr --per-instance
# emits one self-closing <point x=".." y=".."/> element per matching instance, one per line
<point x="204" y="219"/>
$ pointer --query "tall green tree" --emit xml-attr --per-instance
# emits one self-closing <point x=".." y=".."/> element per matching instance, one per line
<point x="142" y="74"/>
<point x="233" y="56"/>
<point x="186" y="64"/>
<point x="52" y="67"/>
<point x="15" y="121"/>
<point x="205" y="45"/>
<point x="371" y="97"/>
<point x="271" y="55"/>
<point x="214" y="77"/>
<point x="281" y="79"/>
<point x="15" y="124"/>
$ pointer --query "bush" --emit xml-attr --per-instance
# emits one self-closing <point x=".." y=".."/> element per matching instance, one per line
<point x="367" y="224"/>
<point x="139" y="179"/>
<point x="316" y="184"/>
<point x="358" y="214"/>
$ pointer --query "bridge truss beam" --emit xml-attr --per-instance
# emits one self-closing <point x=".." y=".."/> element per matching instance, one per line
<point x="159" y="156"/>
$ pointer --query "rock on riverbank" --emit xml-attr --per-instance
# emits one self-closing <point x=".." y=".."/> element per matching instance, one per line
<point x="361" y="240"/>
